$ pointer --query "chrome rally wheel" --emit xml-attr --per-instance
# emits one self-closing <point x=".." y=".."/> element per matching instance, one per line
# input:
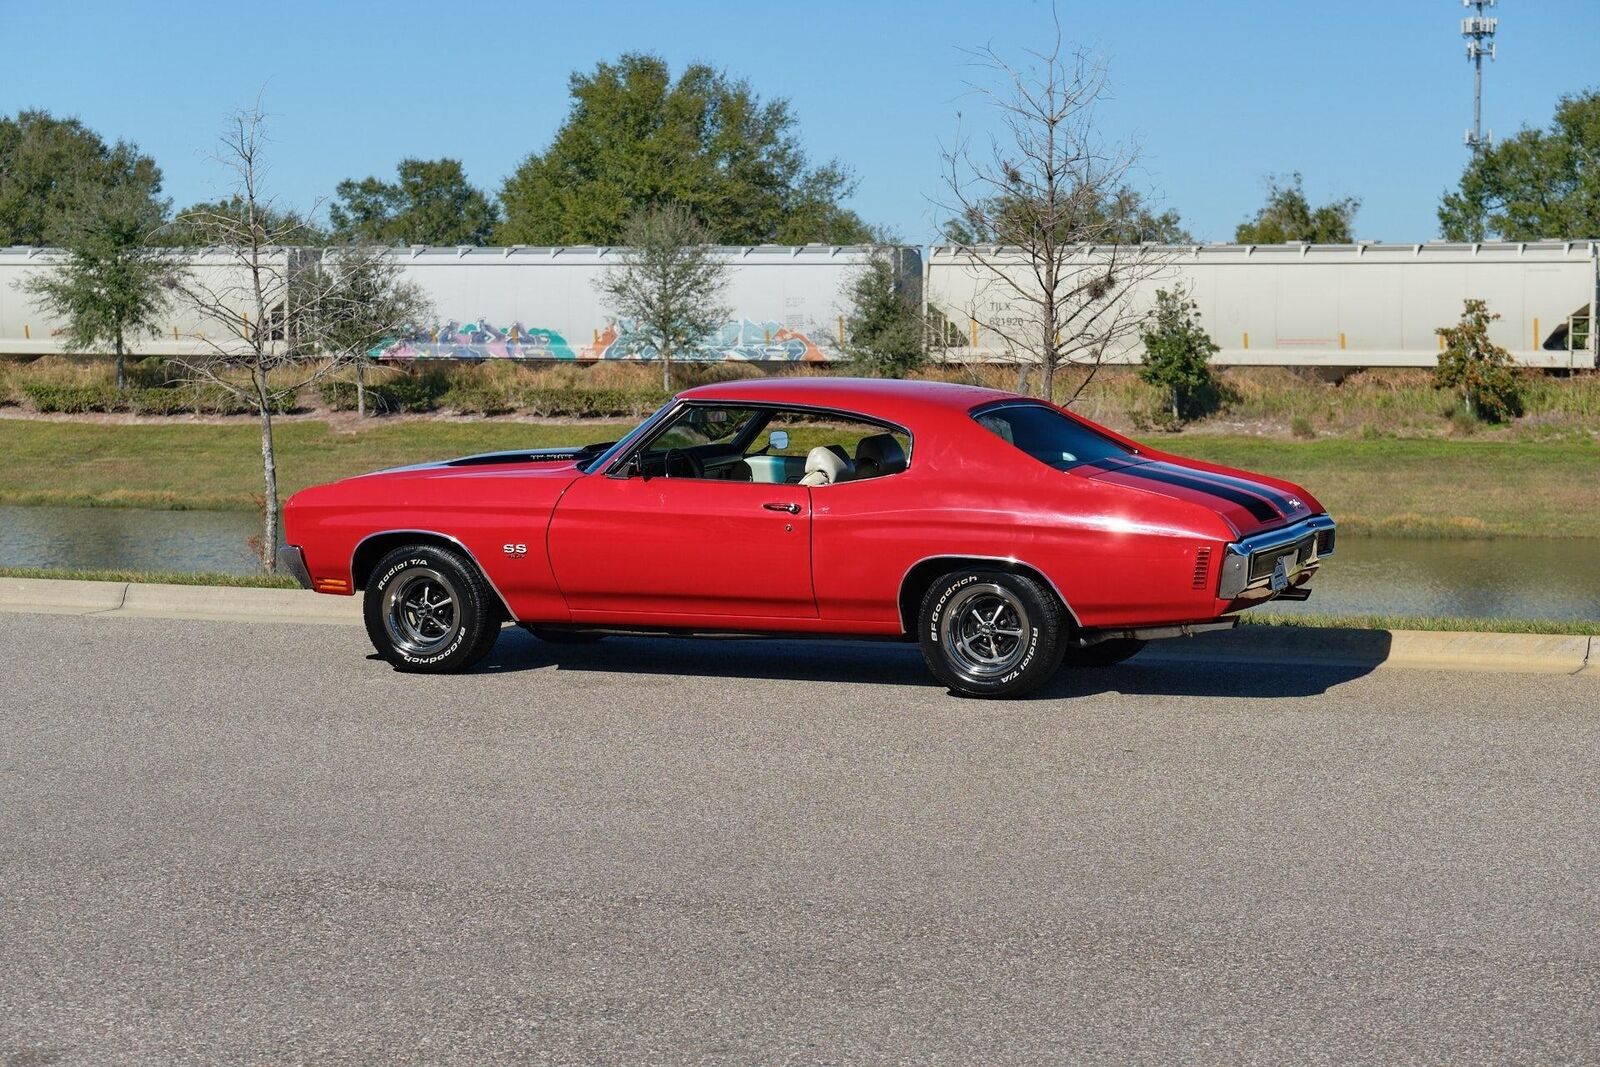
<point x="983" y="630"/>
<point x="420" y="609"/>
<point x="428" y="609"/>
<point x="991" y="633"/>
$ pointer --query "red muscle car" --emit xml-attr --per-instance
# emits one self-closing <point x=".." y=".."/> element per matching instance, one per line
<point x="1002" y="533"/>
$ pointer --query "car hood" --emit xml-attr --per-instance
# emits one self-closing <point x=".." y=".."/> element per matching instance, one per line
<point x="1248" y="504"/>
<point x="514" y="458"/>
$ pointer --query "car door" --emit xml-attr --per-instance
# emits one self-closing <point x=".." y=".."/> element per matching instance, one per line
<point x="665" y="550"/>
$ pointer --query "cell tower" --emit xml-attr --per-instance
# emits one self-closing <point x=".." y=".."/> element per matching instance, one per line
<point x="1478" y="29"/>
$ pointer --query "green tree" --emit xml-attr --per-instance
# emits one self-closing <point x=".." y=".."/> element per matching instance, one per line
<point x="1177" y="354"/>
<point x="1288" y="216"/>
<point x="669" y="283"/>
<point x="194" y="226"/>
<point x="1477" y="368"/>
<point x="883" y="332"/>
<point x="1534" y="185"/>
<point x="112" y="286"/>
<point x="635" y="138"/>
<point x="1122" y="217"/>
<point x="431" y="203"/>
<point x="46" y="164"/>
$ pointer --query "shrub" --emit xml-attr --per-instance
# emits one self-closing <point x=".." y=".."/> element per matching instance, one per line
<point x="475" y="399"/>
<point x="407" y="392"/>
<point x="884" y="326"/>
<point x="1177" y="356"/>
<point x="145" y="401"/>
<point x="1301" y="427"/>
<point x="592" y="403"/>
<point x="411" y="392"/>
<point x="1479" y="370"/>
<point x="68" y="399"/>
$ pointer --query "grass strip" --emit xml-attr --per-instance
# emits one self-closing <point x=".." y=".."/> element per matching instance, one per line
<point x="1440" y="623"/>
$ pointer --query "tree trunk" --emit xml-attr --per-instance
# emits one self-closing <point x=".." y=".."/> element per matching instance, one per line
<point x="361" y="388"/>
<point x="1047" y="361"/>
<point x="269" y="472"/>
<point x="122" y="373"/>
<point x="1175" y="415"/>
<point x="666" y="368"/>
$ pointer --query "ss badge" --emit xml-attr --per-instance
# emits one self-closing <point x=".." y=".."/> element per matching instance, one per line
<point x="515" y="551"/>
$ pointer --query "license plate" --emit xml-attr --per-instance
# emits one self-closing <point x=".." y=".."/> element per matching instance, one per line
<point x="1280" y="574"/>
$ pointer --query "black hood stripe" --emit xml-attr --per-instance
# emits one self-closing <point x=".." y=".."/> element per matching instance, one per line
<point x="1177" y="476"/>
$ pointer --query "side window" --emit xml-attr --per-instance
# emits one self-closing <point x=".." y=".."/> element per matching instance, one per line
<point x="1047" y="435"/>
<point x="860" y="450"/>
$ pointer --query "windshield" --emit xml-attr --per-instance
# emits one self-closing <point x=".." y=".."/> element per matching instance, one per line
<point x="605" y="458"/>
<point x="1047" y="435"/>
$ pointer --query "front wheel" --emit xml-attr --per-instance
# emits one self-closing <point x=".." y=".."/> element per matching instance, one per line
<point x="429" y="610"/>
<point x="988" y="633"/>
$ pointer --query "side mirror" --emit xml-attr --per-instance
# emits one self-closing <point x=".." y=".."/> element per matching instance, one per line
<point x="778" y="441"/>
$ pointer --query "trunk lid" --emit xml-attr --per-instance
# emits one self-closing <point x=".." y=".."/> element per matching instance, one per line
<point x="1250" y="506"/>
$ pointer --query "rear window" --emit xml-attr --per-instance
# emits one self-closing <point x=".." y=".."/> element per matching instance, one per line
<point x="1047" y="435"/>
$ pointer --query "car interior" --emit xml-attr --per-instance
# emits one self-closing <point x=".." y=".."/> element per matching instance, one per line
<point x="771" y="445"/>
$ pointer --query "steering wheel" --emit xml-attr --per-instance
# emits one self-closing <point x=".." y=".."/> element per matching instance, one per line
<point x="697" y="467"/>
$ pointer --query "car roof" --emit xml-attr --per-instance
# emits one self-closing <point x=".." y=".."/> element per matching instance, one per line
<point x="885" y="398"/>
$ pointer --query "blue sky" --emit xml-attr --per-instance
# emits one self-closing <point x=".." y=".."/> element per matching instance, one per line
<point x="1366" y="98"/>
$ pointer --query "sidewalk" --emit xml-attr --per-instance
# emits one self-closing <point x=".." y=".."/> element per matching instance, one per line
<point x="1284" y="645"/>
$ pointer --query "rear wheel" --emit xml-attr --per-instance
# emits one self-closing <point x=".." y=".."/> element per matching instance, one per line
<point x="988" y="633"/>
<point x="429" y="610"/>
<point x="1103" y="653"/>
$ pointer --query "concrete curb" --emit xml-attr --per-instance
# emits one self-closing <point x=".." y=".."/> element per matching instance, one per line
<point x="1288" y="645"/>
<point x="150" y="600"/>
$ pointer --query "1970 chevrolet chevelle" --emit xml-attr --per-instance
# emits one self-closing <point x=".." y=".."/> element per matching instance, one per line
<point x="1002" y="533"/>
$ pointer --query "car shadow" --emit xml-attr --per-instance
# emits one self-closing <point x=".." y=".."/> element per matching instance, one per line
<point x="1208" y="666"/>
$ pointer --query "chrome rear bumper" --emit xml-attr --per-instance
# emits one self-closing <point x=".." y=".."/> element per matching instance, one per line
<point x="1278" y="555"/>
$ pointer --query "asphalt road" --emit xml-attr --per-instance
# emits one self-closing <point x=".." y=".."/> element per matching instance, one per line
<point x="246" y="844"/>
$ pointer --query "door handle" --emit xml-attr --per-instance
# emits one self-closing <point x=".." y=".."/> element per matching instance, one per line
<point x="793" y="509"/>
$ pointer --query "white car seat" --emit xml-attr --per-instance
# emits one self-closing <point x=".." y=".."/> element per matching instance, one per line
<point x="824" y="466"/>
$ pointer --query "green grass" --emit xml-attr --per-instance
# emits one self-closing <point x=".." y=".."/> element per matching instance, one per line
<point x="1445" y="623"/>
<point x="248" y="581"/>
<point x="218" y="466"/>
<point x="1418" y="487"/>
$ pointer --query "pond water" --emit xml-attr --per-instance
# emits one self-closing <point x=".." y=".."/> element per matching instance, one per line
<point x="1502" y="578"/>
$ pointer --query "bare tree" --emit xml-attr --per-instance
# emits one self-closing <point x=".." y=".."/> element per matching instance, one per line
<point x="354" y="301"/>
<point x="281" y="318"/>
<point x="669" y="283"/>
<point x="1049" y="194"/>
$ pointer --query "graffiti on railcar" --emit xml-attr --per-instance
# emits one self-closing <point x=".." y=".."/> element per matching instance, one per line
<point x="477" y="340"/>
<point x="739" y="339"/>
